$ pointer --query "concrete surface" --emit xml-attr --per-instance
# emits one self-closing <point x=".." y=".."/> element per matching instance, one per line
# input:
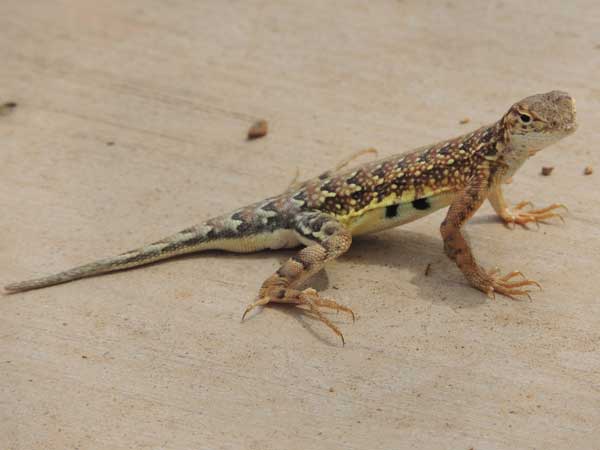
<point x="130" y="125"/>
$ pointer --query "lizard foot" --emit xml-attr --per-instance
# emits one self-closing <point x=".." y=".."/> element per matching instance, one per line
<point x="309" y="298"/>
<point x="518" y="217"/>
<point x="493" y="283"/>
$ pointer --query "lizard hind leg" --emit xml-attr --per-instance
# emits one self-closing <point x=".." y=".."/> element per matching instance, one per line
<point x="295" y="183"/>
<point x="329" y="239"/>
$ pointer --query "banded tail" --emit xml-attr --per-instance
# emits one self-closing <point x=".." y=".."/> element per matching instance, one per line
<point x="243" y="231"/>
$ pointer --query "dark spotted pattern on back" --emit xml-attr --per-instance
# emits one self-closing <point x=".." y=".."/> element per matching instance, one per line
<point x="446" y="166"/>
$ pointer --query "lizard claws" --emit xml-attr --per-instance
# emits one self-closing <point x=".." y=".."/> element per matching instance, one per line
<point x="523" y="204"/>
<point x="522" y="218"/>
<point x="260" y="302"/>
<point x="308" y="297"/>
<point x="503" y="285"/>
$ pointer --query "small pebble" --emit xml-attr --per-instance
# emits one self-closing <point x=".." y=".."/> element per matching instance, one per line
<point x="464" y="120"/>
<point x="547" y="170"/>
<point x="427" y="269"/>
<point x="258" y="130"/>
<point x="7" y="108"/>
<point x="588" y="170"/>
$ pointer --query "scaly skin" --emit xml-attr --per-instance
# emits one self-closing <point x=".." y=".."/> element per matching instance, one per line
<point x="325" y="212"/>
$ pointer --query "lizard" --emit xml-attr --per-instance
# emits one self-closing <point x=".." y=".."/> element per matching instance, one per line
<point x="324" y="213"/>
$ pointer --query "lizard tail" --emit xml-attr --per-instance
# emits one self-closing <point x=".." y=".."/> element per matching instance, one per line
<point x="186" y="241"/>
<point x="222" y="233"/>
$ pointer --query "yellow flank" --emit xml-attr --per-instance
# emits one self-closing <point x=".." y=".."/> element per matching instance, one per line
<point x="378" y="219"/>
<point x="391" y="199"/>
<point x="408" y="196"/>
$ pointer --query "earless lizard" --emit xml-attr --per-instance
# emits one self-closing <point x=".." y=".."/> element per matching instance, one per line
<point x="324" y="213"/>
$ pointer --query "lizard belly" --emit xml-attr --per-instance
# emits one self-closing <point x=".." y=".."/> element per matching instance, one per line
<point x="390" y="216"/>
<point x="273" y="240"/>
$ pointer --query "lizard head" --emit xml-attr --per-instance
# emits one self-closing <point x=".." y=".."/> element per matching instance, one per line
<point x="540" y="120"/>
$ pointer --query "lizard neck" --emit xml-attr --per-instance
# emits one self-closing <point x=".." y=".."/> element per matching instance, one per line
<point x="516" y="152"/>
<point x="504" y="154"/>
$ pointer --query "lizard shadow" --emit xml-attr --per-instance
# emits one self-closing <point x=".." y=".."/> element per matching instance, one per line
<point x="397" y="249"/>
<point x="434" y="275"/>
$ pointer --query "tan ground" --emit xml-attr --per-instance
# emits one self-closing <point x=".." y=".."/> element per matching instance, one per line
<point x="130" y="125"/>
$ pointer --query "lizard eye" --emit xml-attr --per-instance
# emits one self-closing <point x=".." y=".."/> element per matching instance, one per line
<point x="525" y="118"/>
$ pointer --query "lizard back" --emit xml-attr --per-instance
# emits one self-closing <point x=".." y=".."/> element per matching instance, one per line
<point x="398" y="189"/>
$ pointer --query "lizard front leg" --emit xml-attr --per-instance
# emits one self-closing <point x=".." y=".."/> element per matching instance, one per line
<point x="330" y="239"/>
<point x="461" y="210"/>
<point x="515" y="215"/>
